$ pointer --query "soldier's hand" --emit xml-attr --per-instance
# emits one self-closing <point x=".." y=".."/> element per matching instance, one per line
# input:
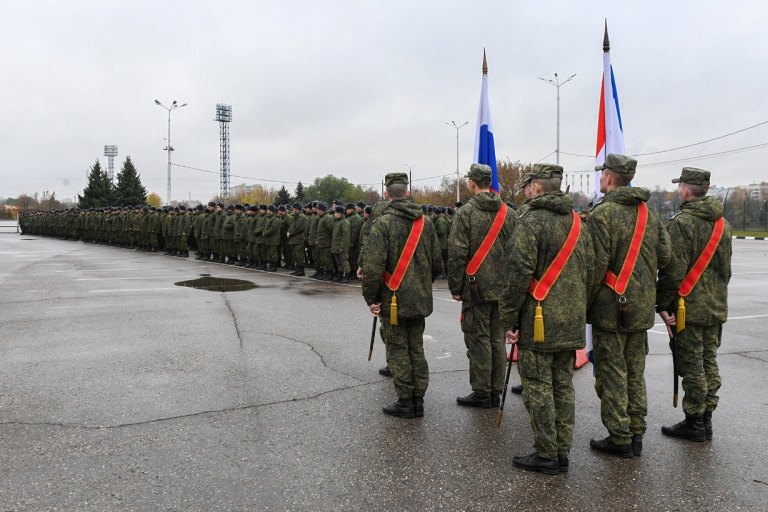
<point x="669" y="318"/>
<point x="375" y="309"/>
<point x="359" y="273"/>
<point x="512" y="337"/>
<point x="457" y="297"/>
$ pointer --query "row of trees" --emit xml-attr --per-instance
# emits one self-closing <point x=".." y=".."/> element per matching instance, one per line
<point x="127" y="191"/>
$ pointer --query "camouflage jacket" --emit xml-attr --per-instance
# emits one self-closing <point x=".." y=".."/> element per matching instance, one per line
<point x="470" y="226"/>
<point x="341" y="235"/>
<point x="441" y="229"/>
<point x="355" y="224"/>
<point x="285" y="225"/>
<point x="611" y="224"/>
<point x="241" y="226"/>
<point x="325" y="230"/>
<point x="312" y="223"/>
<point x="258" y="228"/>
<point x="271" y="232"/>
<point x="689" y="232"/>
<point x="298" y="230"/>
<point x="536" y="240"/>
<point x="228" y="227"/>
<point x="386" y="240"/>
<point x="218" y="223"/>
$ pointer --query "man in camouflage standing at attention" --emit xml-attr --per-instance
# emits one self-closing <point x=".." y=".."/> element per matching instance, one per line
<point x="543" y="309"/>
<point x="692" y="299"/>
<point x="630" y="245"/>
<point x="296" y="236"/>
<point x="476" y="261"/>
<point x="397" y="286"/>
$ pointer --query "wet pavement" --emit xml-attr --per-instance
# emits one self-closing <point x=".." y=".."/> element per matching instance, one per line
<point x="123" y="388"/>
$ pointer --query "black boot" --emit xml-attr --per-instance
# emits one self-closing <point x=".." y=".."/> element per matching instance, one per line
<point x="517" y="390"/>
<point x="418" y="406"/>
<point x="637" y="444"/>
<point x="707" y="419"/>
<point x="495" y="398"/>
<point x="607" y="446"/>
<point x="533" y="462"/>
<point x="475" y="400"/>
<point x="336" y="277"/>
<point x="563" y="461"/>
<point x="317" y="274"/>
<point x="691" y="428"/>
<point x="299" y="272"/>
<point x="344" y="278"/>
<point x="271" y="268"/>
<point x="385" y="372"/>
<point x="403" y="408"/>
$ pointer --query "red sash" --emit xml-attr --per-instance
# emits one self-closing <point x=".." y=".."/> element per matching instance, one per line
<point x="540" y="289"/>
<point x="490" y="238"/>
<point x="619" y="283"/>
<point x="394" y="279"/>
<point x="686" y="287"/>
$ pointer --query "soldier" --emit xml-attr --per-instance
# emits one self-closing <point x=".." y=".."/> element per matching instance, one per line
<point x="296" y="235"/>
<point x="324" y="238"/>
<point x="543" y="309"/>
<point x="309" y="258"/>
<point x="285" y="224"/>
<point x="259" y="253"/>
<point x="271" y="236"/>
<point x="695" y="284"/>
<point x="476" y="260"/>
<point x="355" y="224"/>
<point x="218" y="242"/>
<point x="340" y="245"/>
<point x="250" y="215"/>
<point x="630" y="246"/>
<point x="401" y="280"/>
<point x="184" y="229"/>
<point x="205" y="232"/>
<point x="314" y="222"/>
<point x="228" y="236"/>
<point x="240" y="232"/>
<point x="442" y="230"/>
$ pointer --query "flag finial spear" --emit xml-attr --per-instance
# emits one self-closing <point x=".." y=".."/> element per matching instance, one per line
<point x="485" y="64"/>
<point x="606" y="43"/>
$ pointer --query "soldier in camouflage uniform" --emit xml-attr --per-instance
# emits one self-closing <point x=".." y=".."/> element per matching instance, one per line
<point x="355" y="225"/>
<point x="340" y="245"/>
<point x="483" y="334"/>
<point x="403" y="341"/>
<point x="271" y="237"/>
<point x="296" y="235"/>
<point x="324" y="238"/>
<point x="706" y="307"/>
<point x="620" y="347"/>
<point x="546" y="367"/>
<point x="442" y="230"/>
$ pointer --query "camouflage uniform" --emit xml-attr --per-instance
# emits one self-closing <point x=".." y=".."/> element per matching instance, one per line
<point x="340" y="244"/>
<point x="404" y="342"/>
<point x="546" y="368"/>
<point x="324" y="238"/>
<point x="355" y="226"/>
<point x="296" y="235"/>
<point x="619" y="353"/>
<point x="483" y="334"/>
<point x="707" y="304"/>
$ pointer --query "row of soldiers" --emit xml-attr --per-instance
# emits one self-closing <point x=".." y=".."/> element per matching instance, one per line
<point x="536" y="277"/>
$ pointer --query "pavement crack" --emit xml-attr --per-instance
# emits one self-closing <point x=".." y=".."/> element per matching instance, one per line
<point x="742" y="354"/>
<point x="234" y="319"/>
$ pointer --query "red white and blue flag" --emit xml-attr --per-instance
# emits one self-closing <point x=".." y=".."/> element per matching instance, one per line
<point x="485" y="150"/>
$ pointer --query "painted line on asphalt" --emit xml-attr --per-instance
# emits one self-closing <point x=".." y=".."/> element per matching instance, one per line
<point x="128" y="269"/>
<point x="139" y="289"/>
<point x="150" y="277"/>
<point x="747" y="273"/>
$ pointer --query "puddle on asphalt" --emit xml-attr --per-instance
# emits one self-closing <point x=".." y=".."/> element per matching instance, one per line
<point x="218" y="284"/>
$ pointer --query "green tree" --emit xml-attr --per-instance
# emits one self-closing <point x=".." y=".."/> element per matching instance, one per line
<point x="129" y="190"/>
<point x="99" y="191"/>
<point x="282" y="197"/>
<point x="330" y="187"/>
<point x="299" y="192"/>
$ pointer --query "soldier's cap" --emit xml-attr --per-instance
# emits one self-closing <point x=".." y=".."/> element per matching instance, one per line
<point x="439" y="209"/>
<point x="396" y="178"/>
<point x="281" y="208"/>
<point x="449" y="210"/>
<point x="272" y="208"/>
<point x="176" y="209"/>
<point x="212" y="204"/>
<point x="238" y="207"/>
<point x="297" y="206"/>
<point x="424" y="208"/>
<point x="350" y="206"/>
<point x="200" y="208"/>
<point x="339" y="209"/>
<point x="183" y="208"/>
<point x="618" y="163"/>
<point x="458" y="204"/>
<point x="526" y="180"/>
<point x="146" y="208"/>
<point x="368" y="209"/>
<point x="360" y="204"/>
<point x="220" y="205"/>
<point x="314" y="204"/>
<point x="693" y="176"/>
<point x="246" y="205"/>
<point x="322" y="206"/>
<point x="252" y="208"/>
<point x="430" y="208"/>
<point x="336" y="202"/>
<point x="230" y="208"/>
<point x="546" y="171"/>
<point x="478" y="172"/>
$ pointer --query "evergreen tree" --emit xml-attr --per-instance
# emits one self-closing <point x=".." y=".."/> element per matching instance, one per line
<point x="99" y="191"/>
<point x="129" y="190"/>
<point x="282" y="197"/>
<point x="299" y="193"/>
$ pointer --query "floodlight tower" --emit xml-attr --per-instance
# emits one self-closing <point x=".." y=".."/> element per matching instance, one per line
<point x="110" y="152"/>
<point x="168" y="148"/>
<point x="224" y="117"/>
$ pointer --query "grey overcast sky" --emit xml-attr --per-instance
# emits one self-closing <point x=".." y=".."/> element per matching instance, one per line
<point x="359" y="88"/>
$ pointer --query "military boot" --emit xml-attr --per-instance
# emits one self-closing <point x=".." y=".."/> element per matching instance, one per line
<point x="336" y="277"/>
<point x="563" y="462"/>
<point x="317" y="274"/>
<point x="691" y="428"/>
<point x="533" y="462"/>
<point x="707" y="419"/>
<point x="637" y="444"/>
<point x="495" y="398"/>
<point x="418" y="406"/>
<point x="403" y="408"/>
<point x="517" y="390"/>
<point x="271" y="268"/>
<point x="344" y="278"/>
<point x="607" y="446"/>
<point x="475" y="400"/>
<point x="385" y="372"/>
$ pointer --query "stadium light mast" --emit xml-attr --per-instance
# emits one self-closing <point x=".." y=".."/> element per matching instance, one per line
<point x="458" y="127"/>
<point x="110" y="152"/>
<point x="168" y="147"/>
<point x="410" y="177"/>
<point x="557" y="84"/>
<point x="224" y="117"/>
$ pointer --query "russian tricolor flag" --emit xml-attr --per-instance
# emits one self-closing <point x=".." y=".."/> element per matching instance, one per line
<point x="485" y="150"/>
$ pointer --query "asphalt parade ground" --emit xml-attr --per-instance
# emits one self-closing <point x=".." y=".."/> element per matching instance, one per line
<point x="122" y="389"/>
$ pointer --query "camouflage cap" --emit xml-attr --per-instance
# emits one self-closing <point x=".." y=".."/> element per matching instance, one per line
<point x="545" y="171"/>
<point x="693" y="176"/>
<point x="526" y="180"/>
<point x="479" y="172"/>
<point x="394" y="178"/>
<point x="618" y="163"/>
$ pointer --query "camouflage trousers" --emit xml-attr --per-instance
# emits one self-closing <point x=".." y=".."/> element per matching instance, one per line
<point x="325" y="259"/>
<point x="298" y="255"/>
<point x="549" y="398"/>
<point x="697" y="363"/>
<point x="341" y="262"/>
<point x="484" y="338"/>
<point x="404" y="344"/>
<point x="620" y="382"/>
<point x="242" y="250"/>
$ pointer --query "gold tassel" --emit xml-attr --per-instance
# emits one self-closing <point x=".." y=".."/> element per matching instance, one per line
<point x="680" y="314"/>
<point x="393" y="310"/>
<point x="538" y="325"/>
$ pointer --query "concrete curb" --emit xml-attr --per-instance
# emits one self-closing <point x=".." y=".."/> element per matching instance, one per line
<point x="750" y="238"/>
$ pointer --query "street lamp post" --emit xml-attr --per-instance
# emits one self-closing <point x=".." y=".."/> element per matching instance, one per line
<point x="410" y="177"/>
<point x="169" y="148"/>
<point x="557" y="83"/>
<point x="457" y="127"/>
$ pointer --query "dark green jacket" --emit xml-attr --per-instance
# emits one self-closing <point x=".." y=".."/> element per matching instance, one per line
<point x="470" y="226"/>
<point x="325" y="230"/>
<point x="298" y="230"/>
<point x="341" y="235"/>
<point x="355" y="224"/>
<point x="271" y="233"/>
<point x="228" y="227"/>
<point x="611" y="224"/>
<point x="536" y="240"/>
<point x="312" y="224"/>
<point x="441" y="229"/>
<point x="689" y="232"/>
<point x="386" y="240"/>
<point x="241" y="227"/>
